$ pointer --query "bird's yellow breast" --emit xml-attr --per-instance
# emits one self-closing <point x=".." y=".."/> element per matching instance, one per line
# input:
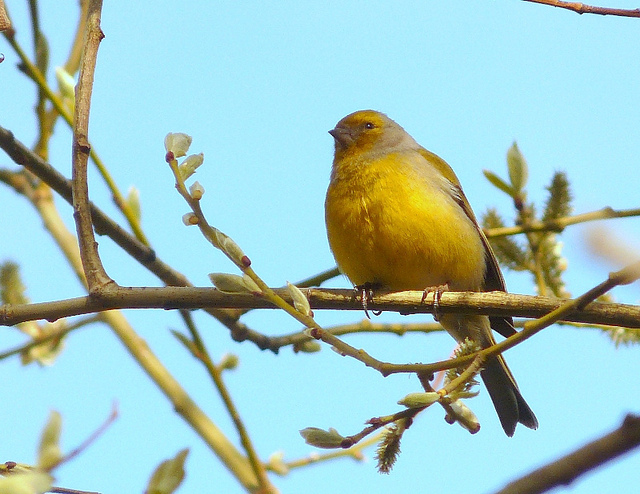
<point x="392" y="221"/>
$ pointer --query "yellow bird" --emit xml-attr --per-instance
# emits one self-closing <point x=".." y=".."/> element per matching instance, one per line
<point x="397" y="219"/>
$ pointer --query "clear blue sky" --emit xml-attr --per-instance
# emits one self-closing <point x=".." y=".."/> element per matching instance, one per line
<point x="258" y="85"/>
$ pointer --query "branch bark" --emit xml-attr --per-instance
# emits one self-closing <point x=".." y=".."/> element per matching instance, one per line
<point x="93" y="268"/>
<point x="568" y="468"/>
<point x="410" y="302"/>
<point x="581" y="8"/>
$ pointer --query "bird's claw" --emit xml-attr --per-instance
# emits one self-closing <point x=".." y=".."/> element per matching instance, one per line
<point x="366" y="293"/>
<point x="437" y="291"/>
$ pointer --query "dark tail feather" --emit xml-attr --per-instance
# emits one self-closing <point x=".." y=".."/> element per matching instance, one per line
<point x="506" y="397"/>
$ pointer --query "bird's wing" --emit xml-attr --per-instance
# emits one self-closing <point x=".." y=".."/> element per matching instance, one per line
<point x="493" y="280"/>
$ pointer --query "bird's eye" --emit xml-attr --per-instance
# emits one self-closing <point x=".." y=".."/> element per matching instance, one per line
<point x="369" y="125"/>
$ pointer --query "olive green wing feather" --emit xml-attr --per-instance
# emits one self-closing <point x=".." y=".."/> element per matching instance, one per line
<point x="493" y="280"/>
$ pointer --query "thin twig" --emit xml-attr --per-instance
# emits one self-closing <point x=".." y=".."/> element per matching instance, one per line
<point x="65" y="490"/>
<point x="104" y="225"/>
<point x="72" y="63"/>
<point x="216" y="376"/>
<point x="50" y="336"/>
<point x="365" y="326"/>
<point x="581" y="8"/>
<point x="560" y="224"/>
<point x="58" y="105"/>
<point x="181" y="401"/>
<point x="233" y="252"/>
<point x="41" y="52"/>
<point x="319" y="278"/>
<point x="354" y="452"/>
<point x="71" y="66"/>
<point x="378" y="422"/>
<point x="567" y="309"/>
<point x="148" y="361"/>
<point x="89" y="440"/>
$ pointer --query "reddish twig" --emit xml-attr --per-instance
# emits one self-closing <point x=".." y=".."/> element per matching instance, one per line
<point x="581" y="8"/>
<point x="94" y="435"/>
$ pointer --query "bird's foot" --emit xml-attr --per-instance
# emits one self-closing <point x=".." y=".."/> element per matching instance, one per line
<point x="437" y="291"/>
<point x="366" y="293"/>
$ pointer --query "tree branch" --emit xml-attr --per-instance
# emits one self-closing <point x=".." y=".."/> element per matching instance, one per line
<point x="409" y="302"/>
<point x="200" y="352"/>
<point x="581" y="8"/>
<point x="558" y="225"/>
<point x="568" y="468"/>
<point x="104" y="225"/>
<point x="93" y="268"/>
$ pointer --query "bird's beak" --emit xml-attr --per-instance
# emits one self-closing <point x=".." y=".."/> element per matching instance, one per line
<point x="343" y="136"/>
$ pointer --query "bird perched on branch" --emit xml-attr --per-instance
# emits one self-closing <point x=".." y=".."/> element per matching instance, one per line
<point x="397" y="219"/>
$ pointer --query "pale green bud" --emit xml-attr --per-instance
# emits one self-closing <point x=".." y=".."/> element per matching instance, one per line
<point x="32" y="482"/>
<point x="419" y="400"/>
<point x="300" y="301"/>
<point x="307" y="347"/>
<point x="168" y="475"/>
<point x="322" y="439"/>
<point x="233" y="250"/>
<point x="196" y="190"/>
<point x="469" y="420"/>
<point x="189" y="166"/>
<point x="49" y="453"/>
<point x="190" y="219"/>
<point x="232" y="283"/>
<point x="517" y="166"/>
<point x="177" y="143"/>
<point x="276" y="463"/>
<point x="66" y="83"/>
<point x="229" y="361"/>
<point x="133" y="201"/>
